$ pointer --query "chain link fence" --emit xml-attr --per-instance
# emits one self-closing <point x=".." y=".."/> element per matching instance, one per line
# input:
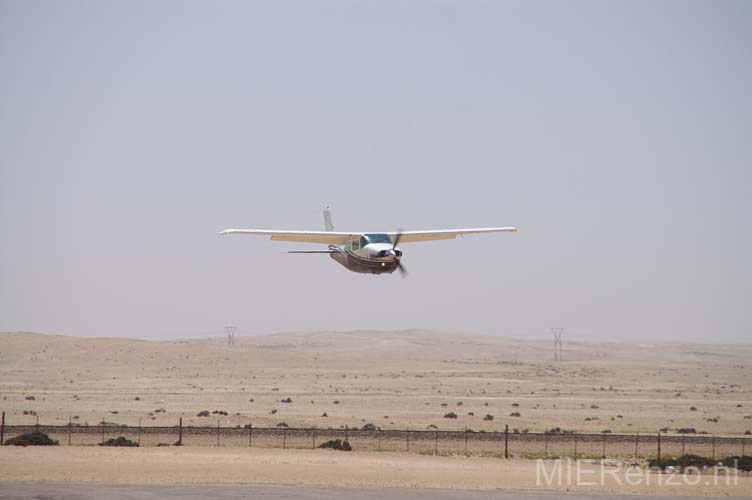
<point x="503" y="444"/>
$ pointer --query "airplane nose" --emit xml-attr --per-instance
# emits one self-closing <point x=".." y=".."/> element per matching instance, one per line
<point x="395" y="253"/>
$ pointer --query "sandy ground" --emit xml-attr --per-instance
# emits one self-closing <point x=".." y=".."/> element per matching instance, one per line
<point x="394" y="380"/>
<point x="35" y="490"/>
<point x="327" y="468"/>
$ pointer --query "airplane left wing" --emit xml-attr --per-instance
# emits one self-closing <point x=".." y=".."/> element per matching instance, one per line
<point x="446" y="234"/>
<point x="324" y="237"/>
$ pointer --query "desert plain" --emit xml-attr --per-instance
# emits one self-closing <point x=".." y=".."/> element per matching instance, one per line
<point x="331" y="380"/>
<point x="393" y="380"/>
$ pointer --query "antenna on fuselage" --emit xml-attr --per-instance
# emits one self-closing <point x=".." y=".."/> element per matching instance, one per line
<point x="328" y="226"/>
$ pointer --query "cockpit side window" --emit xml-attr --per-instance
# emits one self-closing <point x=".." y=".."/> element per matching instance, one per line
<point x="363" y="241"/>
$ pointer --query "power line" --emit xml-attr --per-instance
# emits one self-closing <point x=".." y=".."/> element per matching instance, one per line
<point x="230" y="334"/>
<point x="558" y="332"/>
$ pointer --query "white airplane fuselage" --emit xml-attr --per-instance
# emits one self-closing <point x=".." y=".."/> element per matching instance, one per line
<point x="364" y="256"/>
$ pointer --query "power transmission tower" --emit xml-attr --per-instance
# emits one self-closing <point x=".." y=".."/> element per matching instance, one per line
<point x="558" y="332"/>
<point x="230" y="334"/>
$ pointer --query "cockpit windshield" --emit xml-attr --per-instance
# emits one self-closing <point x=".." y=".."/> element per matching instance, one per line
<point x="375" y="238"/>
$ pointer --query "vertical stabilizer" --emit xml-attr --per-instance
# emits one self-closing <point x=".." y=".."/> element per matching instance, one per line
<point x="328" y="226"/>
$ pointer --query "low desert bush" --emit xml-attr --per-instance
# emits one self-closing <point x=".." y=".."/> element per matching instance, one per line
<point x="742" y="463"/>
<point x="35" y="438"/>
<point x="686" y="430"/>
<point x="558" y="430"/>
<point x="118" y="441"/>
<point x="337" y="444"/>
<point x="684" y="461"/>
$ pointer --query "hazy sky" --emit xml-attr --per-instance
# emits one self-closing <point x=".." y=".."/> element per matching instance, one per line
<point x="616" y="136"/>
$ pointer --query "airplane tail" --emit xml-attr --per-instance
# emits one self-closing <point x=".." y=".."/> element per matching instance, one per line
<point x="328" y="226"/>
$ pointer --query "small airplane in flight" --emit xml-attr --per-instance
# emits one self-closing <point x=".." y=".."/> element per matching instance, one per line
<point x="364" y="252"/>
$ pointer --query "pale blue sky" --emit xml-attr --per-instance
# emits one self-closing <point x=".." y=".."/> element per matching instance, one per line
<point x="616" y="135"/>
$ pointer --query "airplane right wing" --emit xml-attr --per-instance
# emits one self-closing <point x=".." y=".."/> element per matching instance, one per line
<point x="446" y="234"/>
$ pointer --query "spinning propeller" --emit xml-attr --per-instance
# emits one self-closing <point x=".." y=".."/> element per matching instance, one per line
<point x="398" y="256"/>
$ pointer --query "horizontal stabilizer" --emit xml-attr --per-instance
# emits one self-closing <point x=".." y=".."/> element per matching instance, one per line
<point x="313" y="251"/>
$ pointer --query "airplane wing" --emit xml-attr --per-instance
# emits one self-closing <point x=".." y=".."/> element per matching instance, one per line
<point x="446" y="234"/>
<point x="340" y="238"/>
<point x="325" y="237"/>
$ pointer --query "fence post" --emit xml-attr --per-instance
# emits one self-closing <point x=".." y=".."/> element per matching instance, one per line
<point x="217" y="432"/>
<point x="713" y="447"/>
<point x="506" y="441"/>
<point x="659" y="447"/>
<point x="636" y="442"/>
<point x="103" y="429"/>
<point x="436" y="442"/>
<point x="408" y="439"/>
<point x="465" y="440"/>
<point x="545" y="444"/>
<point x="284" y="438"/>
<point x="603" y="455"/>
<point x="744" y="441"/>
<point x="575" y="445"/>
<point x="70" y="426"/>
<point x="250" y="434"/>
<point x="347" y="433"/>
<point x="314" y="438"/>
<point x="683" y="435"/>
<point x="180" y="432"/>
<point x="139" y="431"/>
<point x="379" y="438"/>
<point x="2" y="430"/>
